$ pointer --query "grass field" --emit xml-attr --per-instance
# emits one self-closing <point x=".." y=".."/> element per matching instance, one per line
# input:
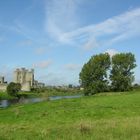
<point x="103" y="117"/>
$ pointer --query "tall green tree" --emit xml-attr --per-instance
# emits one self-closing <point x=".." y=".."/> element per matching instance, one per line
<point x="122" y="75"/>
<point x="93" y="76"/>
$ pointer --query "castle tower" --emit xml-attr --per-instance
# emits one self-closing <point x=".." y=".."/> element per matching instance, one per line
<point x="25" y="78"/>
<point x="1" y="79"/>
<point x="3" y="84"/>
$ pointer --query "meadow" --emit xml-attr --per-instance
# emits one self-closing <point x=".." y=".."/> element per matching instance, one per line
<point x="108" y="116"/>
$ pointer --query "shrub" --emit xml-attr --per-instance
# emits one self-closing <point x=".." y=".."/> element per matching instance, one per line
<point x="13" y="89"/>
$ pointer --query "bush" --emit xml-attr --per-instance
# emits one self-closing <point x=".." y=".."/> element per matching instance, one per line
<point x="136" y="86"/>
<point x="13" y="89"/>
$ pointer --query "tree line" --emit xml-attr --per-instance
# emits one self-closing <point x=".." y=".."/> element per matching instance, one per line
<point x="104" y="73"/>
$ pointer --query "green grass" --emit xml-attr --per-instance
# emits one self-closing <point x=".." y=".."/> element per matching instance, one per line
<point x="102" y="117"/>
<point x="4" y="95"/>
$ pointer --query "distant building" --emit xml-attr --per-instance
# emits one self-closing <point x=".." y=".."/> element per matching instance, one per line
<point x="38" y="84"/>
<point x="25" y="78"/>
<point x="1" y="79"/>
<point x="3" y="84"/>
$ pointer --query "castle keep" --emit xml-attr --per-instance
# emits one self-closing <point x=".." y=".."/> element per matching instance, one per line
<point x="25" y="78"/>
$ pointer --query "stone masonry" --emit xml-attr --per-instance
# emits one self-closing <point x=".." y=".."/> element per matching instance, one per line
<point x="3" y="84"/>
<point x="25" y="78"/>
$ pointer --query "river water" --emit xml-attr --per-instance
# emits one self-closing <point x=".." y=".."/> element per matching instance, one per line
<point x="6" y="103"/>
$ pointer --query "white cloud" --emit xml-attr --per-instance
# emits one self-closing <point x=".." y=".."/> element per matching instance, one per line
<point x="72" y="67"/>
<point x="112" y="52"/>
<point x="40" y="50"/>
<point x="42" y="64"/>
<point x="61" y="17"/>
<point x="90" y="44"/>
<point x="110" y="31"/>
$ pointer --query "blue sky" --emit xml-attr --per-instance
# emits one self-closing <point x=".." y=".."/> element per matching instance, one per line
<point x="56" y="37"/>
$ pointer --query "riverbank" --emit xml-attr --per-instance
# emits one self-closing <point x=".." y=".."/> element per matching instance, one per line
<point x="45" y="93"/>
<point x="4" y="95"/>
<point x="116" y="116"/>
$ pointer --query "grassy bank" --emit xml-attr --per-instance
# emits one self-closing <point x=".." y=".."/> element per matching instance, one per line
<point x="106" y="117"/>
<point x="43" y="93"/>
<point x="4" y="95"/>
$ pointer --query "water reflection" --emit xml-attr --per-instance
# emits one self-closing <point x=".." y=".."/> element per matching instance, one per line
<point x="6" y="103"/>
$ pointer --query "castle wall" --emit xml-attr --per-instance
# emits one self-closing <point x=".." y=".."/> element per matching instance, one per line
<point x="3" y="87"/>
<point x="26" y="86"/>
<point x="23" y="77"/>
<point x="3" y="84"/>
<point x="1" y="79"/>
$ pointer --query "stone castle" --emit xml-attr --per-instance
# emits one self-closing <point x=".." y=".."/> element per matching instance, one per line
<point x="3" y="84"/>
<point x="25" y="77"/>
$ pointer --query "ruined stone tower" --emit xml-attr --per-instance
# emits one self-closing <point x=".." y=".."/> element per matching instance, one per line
<point x="1" y="79"/>
<point x="3" y="84"/>
<point x="25" y="78"/>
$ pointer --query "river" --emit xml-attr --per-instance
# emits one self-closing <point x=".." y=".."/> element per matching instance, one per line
<point x="7" y="103"/>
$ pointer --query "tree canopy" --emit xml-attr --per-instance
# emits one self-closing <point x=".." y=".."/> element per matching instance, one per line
<point x="93" y="76"/>
<point x="102" y="72"/>
<point x="13" y="89"/>
<point x="121" y="74"/>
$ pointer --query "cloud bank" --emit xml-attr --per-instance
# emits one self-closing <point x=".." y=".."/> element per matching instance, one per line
<point x="108" y="32"/>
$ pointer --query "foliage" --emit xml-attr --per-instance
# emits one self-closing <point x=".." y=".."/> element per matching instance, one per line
<point x="60" y="91"/>
<point x="38" y="90"/>
<point x="13" y="89"/>
<point x="93" y="76"/>
<point x="70" y="85"/>
<point x="121" y="74"/>
<point x="136" y="86"/>
<point x="4" y="95"/>
<point x="96" y="72"/>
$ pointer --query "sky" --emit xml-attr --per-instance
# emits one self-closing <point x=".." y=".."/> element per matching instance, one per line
<point x="57" y="37"/>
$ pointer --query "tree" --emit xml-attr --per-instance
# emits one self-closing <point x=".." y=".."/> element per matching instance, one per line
<point x="121" y="74"/>
<point x="93" y="76"/>
<point x="13" y="89"/>
<point x="70" y="86"/>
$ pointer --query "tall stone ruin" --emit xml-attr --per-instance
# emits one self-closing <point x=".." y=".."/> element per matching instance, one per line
<point x="25" y="78"/>
<point x="3" y="84"/>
